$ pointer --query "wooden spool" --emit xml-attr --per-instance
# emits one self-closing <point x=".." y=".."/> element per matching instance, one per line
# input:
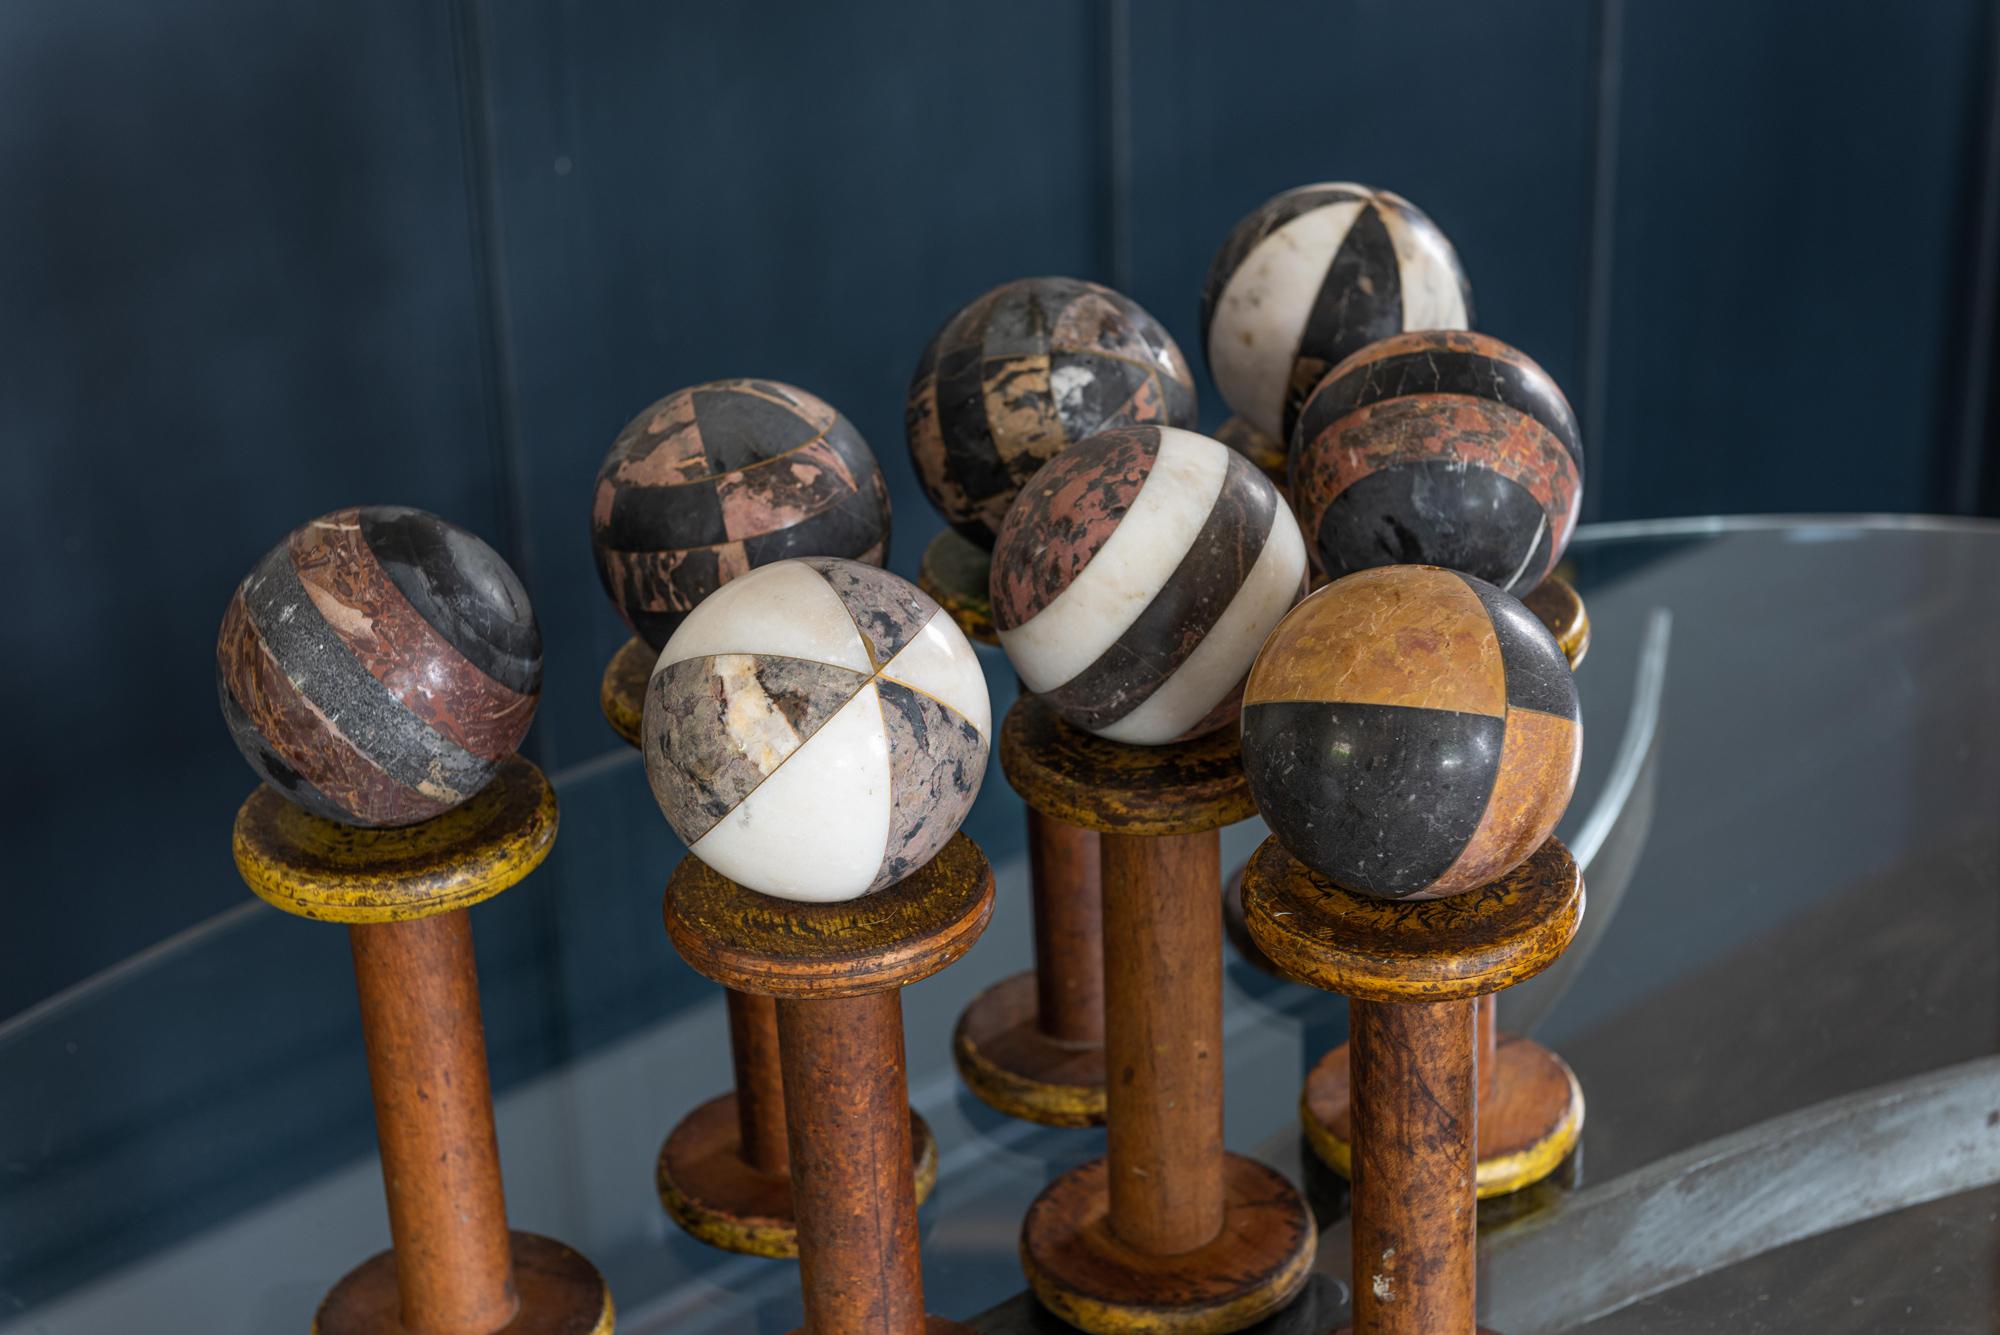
<point x="724" y="1169"/>
<point x="835" y="973"/>
<point x="1032" y="1045"/>
<point x="1413" y="971"/>
<point x="1530" y="1104"/>
<point x="454" y="1268"/>
<point x="1167" y="1232"/>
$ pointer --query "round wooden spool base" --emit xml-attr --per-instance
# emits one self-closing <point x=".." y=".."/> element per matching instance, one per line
<point x="560" y="1292"/>
<point x="1182" y="788"/>
<point x="933" y="1325"/>
<point x="1528" y="1124"/>
<point x="622" y="692"/>
<point x="1014" y="1068"/>
<point x="719" y="1197"/>
<point x="1081" y="1271"/>
<point x="1559" y="607"/>
<point x="954" y="571"/>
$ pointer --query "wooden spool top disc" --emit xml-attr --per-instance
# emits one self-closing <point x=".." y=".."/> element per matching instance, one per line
<point x="784" y="948"/>
<point x="1412" y="950"/>
<point x="954" y="572"/>
<point x="319" y="869"/>
<point x="622" y="693"/>
<point x="1117" y="788"/>
<point x="1560" y="608"/>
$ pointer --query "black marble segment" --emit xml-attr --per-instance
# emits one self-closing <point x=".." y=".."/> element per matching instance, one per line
<point x="1251" y="230"/>
<point x="1419" y="222"/>
<point x="888" y="611"/>
<point x="648" y="519"/>
<point x="691" y="575"/>
<point x="1091" y="390"/>
<point x="1172" y="626"/>
<point x="1381" y="799"/>
<point x="937" y="760"/>
<point x="1359" y="301"/>
<point x="326" y="673"/>
<point x="688" y="726"/>
<point x="271" y="766"/>
<point x="1538" y="674"/>
<point x="1441" y="513"/>
<point x="1446" y="371"/>
<point x="740" y="428"/>
<point x="857" y="522"/>
<point x="967" y="434"/>
<point x="463" y="588"/>
<point x="1023" y="320"/>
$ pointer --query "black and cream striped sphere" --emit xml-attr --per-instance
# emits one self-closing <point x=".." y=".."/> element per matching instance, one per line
<point x="1439" y="448"/>
<point x="1312" y="277"/>
<point x="717" y="479"/>
<point x="1135" y="578"/>
<point x="1411" y="732"/>
<point x="378" y="665"/>
<point x="816" y="729"/>
<point x="1019" y="375"/>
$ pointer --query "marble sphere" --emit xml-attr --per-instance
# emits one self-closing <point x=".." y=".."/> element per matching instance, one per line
<point x="1411" y="732"/>
<point x="1312" y="277"/>
<point x="1439" y="448"/>
<point x="1137" y="575"/>
<point x="717" y="479"/>
<point x="1021" y="374"/>
<point x="378" y="665"/>
<point x="816" y="729"/>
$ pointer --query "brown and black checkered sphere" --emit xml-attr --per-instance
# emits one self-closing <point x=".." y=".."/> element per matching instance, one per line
<point x="1410" y="732"/>
<point x="715" y="480"/>
<point x="1022" y="373"/>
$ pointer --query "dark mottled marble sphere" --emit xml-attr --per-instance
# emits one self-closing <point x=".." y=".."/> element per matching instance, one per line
<point x="718" y="479"/>
<point x="1447" y="449"/>
<point x="1411" y="732"/>
<point x="1021" y="374"/>
<point x="1137" y="575"/>
<point x="378" y="665"/>
<point x="816" y="729"/>
<point x="1310" y="278"/>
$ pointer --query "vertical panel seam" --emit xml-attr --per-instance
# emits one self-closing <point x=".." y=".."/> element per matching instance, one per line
<point x="1114" y="247"/>
<point x="1608" y="91"/>
<point x="1966" y="473"/>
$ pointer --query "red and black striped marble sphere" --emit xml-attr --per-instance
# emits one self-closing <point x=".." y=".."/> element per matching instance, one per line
<point x="1022" y="373"/>
<point x="717" y="479"/>
<point x="1439" y="448"/>
<point x="1411" y="732"/>
<point x="378" y="665"/>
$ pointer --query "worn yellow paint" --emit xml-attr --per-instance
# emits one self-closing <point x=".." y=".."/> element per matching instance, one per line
<point x="622" y="692"/>
<point x="317" y="868"/>
<point x="1186" y="787"/>
<point x="1447" y="949"/>
<point x="954" y="572"/>
<point x="1248" y="1306"/>
<point x="1015" y="1095"/>
<point x="1557" y="605"/>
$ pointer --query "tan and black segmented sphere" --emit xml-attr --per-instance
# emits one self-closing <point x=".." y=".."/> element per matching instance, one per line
<point x="1022" y="373"/>
<point x="1410" y="732"/>
<point x="1439" y="448"/>
<point x="718" y="479"/>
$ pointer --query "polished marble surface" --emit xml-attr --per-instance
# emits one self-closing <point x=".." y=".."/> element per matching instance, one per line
<point x="1783" y="1009"/>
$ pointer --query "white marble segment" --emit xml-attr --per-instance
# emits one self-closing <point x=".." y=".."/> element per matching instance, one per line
<point x="817" y="828"/>
<point x="785" y="610"/>
<point x="941" y="663"/>
<point x="1225" y="654"/>
<point x="1129" y="570"/>
<point x="1260" y="316"/>
<point x="1432" y="297"/>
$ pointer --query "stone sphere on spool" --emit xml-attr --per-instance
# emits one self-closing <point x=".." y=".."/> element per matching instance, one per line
<point x="378" y="665"/>
<point x="816" y="729"/>
<point x="1137" y="575"/>
<point x="720" y="478"/>
<point x="1439" y="448"/>
<point x="1410" y="732"/>
<point x="1025" y="371"/>
<point x="1311" y="277"/>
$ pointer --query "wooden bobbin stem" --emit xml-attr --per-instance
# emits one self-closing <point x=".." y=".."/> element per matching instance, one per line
<point x="1067" y="900"/>
<point x="1486" y="1044"/>
<point x="426" y="1048"/>
<point x="851" y="1180"/>
<point x="760" y="1081"/>
<point x="1163" y="1036"/>
<point x="1414" y="1217"/>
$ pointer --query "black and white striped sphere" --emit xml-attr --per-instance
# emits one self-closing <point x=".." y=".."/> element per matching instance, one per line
<point x="1135" y="578"/>
<point x="1312" y="277"/>
<point x="816" y="729"/>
